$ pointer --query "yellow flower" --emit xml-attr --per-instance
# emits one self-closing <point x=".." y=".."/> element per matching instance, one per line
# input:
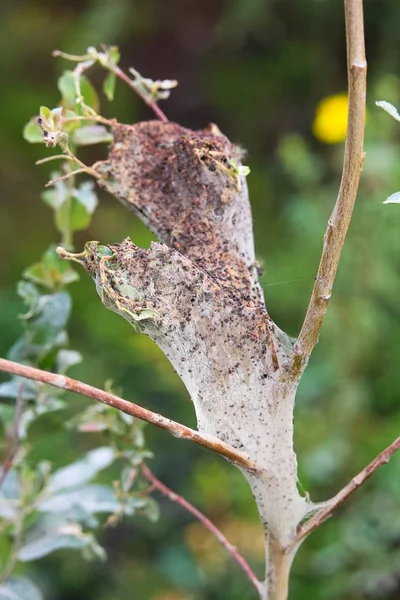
<point x="330" y="121"/>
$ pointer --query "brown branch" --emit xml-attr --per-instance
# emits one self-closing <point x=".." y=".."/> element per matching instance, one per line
<point x="176" y="429"/>
<point x="339" y="221"/>
<point x="157" y="484"/>
<point x="325" y="512"/>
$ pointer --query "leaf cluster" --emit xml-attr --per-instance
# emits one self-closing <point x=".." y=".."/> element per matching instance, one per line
<point x="44" y="508"/>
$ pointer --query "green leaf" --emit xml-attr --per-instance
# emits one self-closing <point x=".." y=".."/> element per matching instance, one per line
<point x="151" y="510"/>
<point x="91" y="134"/>
<point x="114" y="54"/>
<point x="82" y="470"/>
<point x="73" y="208"/>
<point x="11" y="488"/>
<point x="72" y="216"/>
<point x="51" y="272"/>
<point x="92" y="550"/>
<point x="39" y="273"/>
<point x="66" y="85"/>
<point x="51" y="542"/>
<point x="109" y="86"/>
<point x="9" y="510"/>
<point x="54" y="313"/>
<point x="57" y="194"/>
<point x="90" y="499"/>
<point x="49" y="405"/>
<point x="86" y="195"/>
<point x="57" y="113"/>
<point x="18" y="388"/>
<point x="10" y="494"/>
<point x="19" y="588"/>
<point x="46" y="114"/>
<point x="54" y="531"/>
<point x="77" y="213"/>
<point x="104" y="251"/>
<point x="393" y="199"/>
<point x="67" y="359"/>
<point x="239" y="169"/>
<point x="32" y="132"/>
<point x="244" y="170"/>
<point x="61" y="271"/>
<point x="389" y="108"/>
<point x="30" y="295"/>
<point x="132" y="505"/>
<point x="48" y="400"/>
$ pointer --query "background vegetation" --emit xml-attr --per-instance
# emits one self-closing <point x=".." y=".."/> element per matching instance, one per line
<point x="259" y="69"/>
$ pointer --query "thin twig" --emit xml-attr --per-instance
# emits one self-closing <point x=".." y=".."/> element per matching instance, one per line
<point x="156" y="483"/>
<point x="176" y="429"/>
<point x="318" y="518"/>
<point x="68" y="155"/>
<point x="41" y="161"/>
<point x="153" y="105"/>
<point x="78" y="72"/>
<point x="78" y="161"/>
<point x="71" y="174"/>
<point x="96" y="118"/>
<point x="340" y="219"/>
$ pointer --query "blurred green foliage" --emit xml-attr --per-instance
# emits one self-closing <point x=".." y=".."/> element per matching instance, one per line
<point x="258" y="68"/>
